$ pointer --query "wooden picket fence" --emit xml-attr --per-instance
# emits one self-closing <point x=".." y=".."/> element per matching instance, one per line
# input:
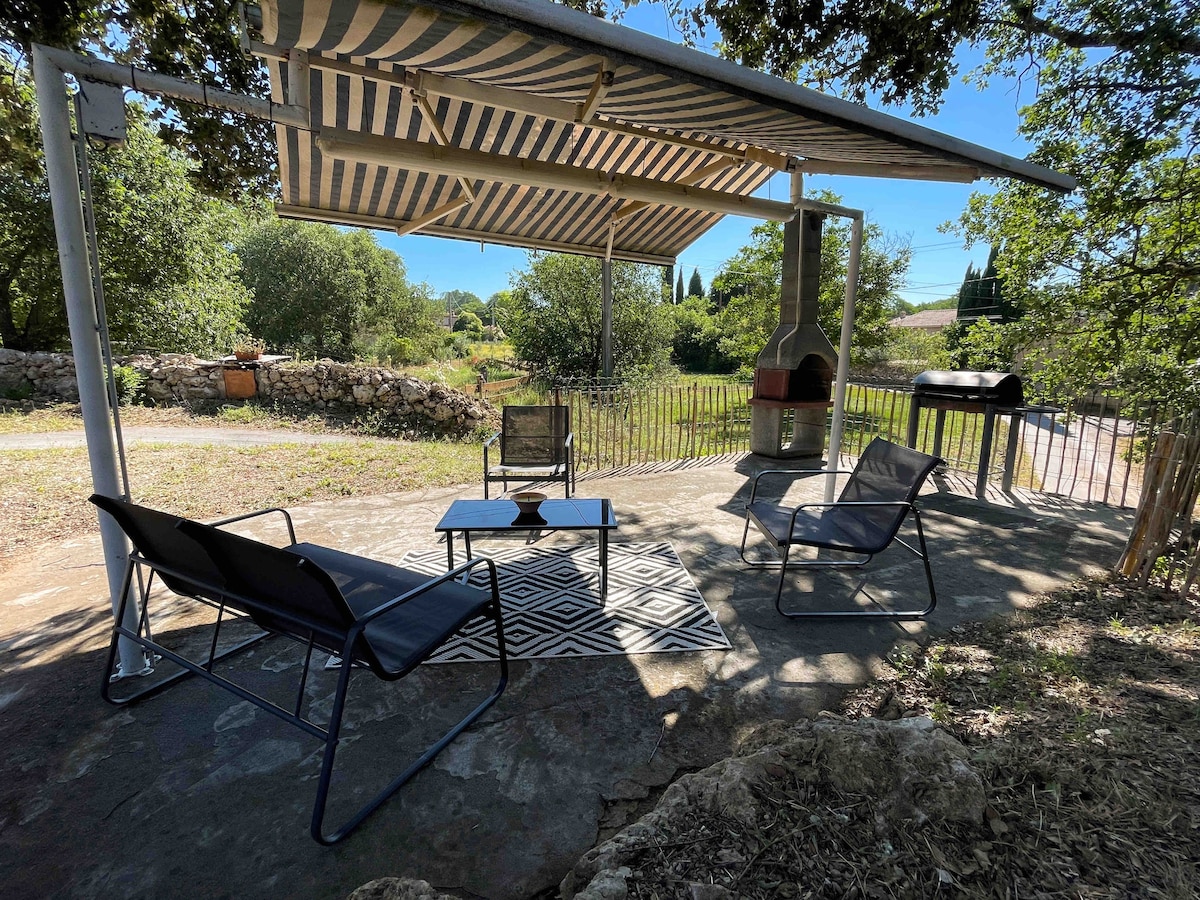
<point x="621" y="426"/>
<point x="1097" y="456"/>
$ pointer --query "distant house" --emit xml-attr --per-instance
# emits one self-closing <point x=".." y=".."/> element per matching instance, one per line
<point x="930" y="321"/>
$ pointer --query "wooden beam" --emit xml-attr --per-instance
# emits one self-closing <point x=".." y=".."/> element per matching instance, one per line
<point x="452" y="161"/>
<point x="421" y="82"/>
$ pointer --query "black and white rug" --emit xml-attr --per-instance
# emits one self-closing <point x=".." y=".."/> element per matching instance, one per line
<point x="551" y="602"/>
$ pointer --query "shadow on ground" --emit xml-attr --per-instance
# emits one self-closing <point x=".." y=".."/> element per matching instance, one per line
<point x="195" y="793"/>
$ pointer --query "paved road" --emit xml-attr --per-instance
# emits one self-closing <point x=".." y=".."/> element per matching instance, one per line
<point x="134" y="434"/>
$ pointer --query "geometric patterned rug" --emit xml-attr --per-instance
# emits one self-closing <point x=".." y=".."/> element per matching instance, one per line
<point x="551" y="602"/>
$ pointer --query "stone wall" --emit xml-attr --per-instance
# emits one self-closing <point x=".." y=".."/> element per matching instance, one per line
<point x="43" y="374"/>
<point x="325" y="385"/>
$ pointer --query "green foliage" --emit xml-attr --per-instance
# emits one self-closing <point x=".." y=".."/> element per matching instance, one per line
<point x="981" y="345"/>
<point x="696" y="345"/>
<point x="169" y="274"/>
<point x="22" y="390"/>
<point x="913" y="350"/>
<point x="1106" y="275"/>
<point x="982" y="294"/>
<point x="556" y="321"/>
<point x="679" y="288"/>
<point x="695" y="285"/>
<point x="129" y="383"/>
<point x="231" y="155"/>
<point x="469" y="323"/>
<point x="330" y="293"/>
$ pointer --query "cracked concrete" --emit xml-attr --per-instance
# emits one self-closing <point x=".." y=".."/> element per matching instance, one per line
<point x="195" y="794"/>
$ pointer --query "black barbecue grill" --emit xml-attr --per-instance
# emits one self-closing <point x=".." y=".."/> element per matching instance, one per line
<point x="972" y="391"/>
<point x="989" y="394"/>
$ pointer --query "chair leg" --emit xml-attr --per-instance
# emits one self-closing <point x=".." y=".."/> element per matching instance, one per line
<point x="894" y="614"/>
<point x="188" y="668"/>
<point x="331" y="744"/>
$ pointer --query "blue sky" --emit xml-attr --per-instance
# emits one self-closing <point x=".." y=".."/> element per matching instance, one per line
<point x="907" y="209"/>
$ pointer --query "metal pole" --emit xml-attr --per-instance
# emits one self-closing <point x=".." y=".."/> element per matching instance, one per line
<point x="606" y="301"/>
<point x="843" y="367"/>
<point x="69" y="227"/>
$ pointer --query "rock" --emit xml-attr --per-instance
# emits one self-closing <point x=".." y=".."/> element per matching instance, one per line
<point x="397" y="889"/>
<point x="913" y="769"/>
<point x="608" y="885"/>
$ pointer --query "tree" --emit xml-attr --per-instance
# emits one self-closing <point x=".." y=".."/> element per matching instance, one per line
<point x="556" y="321"/>
<point x="696" y="345"/>
<point x="328" y="292"/>
<point x="982" y="293"/>
<point x="668" y="279"/>
<point x="751" y="282"/>
<point x="695" y="285"/>
<point x="469" y="324"/>
<point x="197" y="40"/>
<point x="679" y="288"/>
<point x="170" y="277"/>
<point x="1107" y="274"/>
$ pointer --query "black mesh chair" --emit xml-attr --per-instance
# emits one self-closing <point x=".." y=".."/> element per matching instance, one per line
<point x="370" y="614"/>
<point x="865" y="520"/>
<point x="536" y="444"/>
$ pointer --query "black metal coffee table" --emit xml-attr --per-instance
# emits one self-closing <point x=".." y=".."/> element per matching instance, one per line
<point x="467" y="516"/>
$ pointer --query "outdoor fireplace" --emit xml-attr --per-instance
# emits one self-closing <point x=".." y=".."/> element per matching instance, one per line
<point x="794" y="371"/>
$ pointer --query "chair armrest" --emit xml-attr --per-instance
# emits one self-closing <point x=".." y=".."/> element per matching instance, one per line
<point x="795" y="473"/>
<point x="492" y="440"/>
<point x="362" y="621"/>
<point x="262" y="512"/>
<point x="570" y="439"/>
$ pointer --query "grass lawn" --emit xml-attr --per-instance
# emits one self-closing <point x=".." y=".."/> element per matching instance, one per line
<point x="43" y="495"/>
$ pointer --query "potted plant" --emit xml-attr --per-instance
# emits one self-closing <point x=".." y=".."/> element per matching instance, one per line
<point x="248" y="348"/>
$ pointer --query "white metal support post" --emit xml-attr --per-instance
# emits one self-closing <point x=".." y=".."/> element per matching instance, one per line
<point x="71" y="233"/>
<point x="843" y="368"/>
<point x="606" y="301"/>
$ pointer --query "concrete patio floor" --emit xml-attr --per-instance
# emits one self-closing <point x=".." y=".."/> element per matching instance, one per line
<point x="195" y="794"/>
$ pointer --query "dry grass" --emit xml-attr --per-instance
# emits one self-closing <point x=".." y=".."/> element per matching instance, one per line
<point x="29" y="417"/>
<point x="1081" y="713"/>
<point x="43" y="494"/>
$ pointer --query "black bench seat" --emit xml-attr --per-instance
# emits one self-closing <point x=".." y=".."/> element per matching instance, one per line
<point x="368" y="613"/>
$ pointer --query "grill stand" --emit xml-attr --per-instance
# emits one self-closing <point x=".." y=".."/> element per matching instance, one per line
<point x="1016" y="420"/>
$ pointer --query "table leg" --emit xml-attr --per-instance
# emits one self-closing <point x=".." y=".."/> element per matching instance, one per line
<point x="985" y="451"/>
<point x="449" y="550"/>
<point x="603" y="566"/>
<point x="467" y="541"/>
<point x="1016" y="422"/>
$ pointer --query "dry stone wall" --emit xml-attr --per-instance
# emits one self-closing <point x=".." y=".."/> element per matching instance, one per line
<point x="325" y="385"/>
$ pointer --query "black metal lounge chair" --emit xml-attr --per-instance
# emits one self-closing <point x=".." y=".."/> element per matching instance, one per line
<point x="536" y="444"/>
<point x="865" y="520"/>
<point x="368" y="613"/>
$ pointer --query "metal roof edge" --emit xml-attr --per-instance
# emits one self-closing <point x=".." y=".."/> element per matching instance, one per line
<point x="621" y="42"/>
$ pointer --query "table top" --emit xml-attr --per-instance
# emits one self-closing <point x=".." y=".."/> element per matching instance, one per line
<point x="503" y="515"/>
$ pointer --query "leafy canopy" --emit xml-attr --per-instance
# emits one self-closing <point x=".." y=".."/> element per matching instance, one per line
<point x="555" y="320"/>
<point x="327" y="292"/>
<point x="193" y="39"/>
<point x="170" y="277"/>
<point x="747" y="288"/>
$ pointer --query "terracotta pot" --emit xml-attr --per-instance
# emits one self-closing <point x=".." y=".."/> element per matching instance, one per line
<point x="247" y="355"/>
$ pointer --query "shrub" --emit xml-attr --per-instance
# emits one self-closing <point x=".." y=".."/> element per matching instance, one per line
<point x="130" y="384"/>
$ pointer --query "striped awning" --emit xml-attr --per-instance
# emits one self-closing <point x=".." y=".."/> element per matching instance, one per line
<point x="523" y="122"/>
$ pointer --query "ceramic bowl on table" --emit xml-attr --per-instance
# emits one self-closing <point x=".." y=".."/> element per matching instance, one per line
<point x="528" y="501"/>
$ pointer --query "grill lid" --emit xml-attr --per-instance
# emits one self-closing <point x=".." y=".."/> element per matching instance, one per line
<point x="1001" y="388"/>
